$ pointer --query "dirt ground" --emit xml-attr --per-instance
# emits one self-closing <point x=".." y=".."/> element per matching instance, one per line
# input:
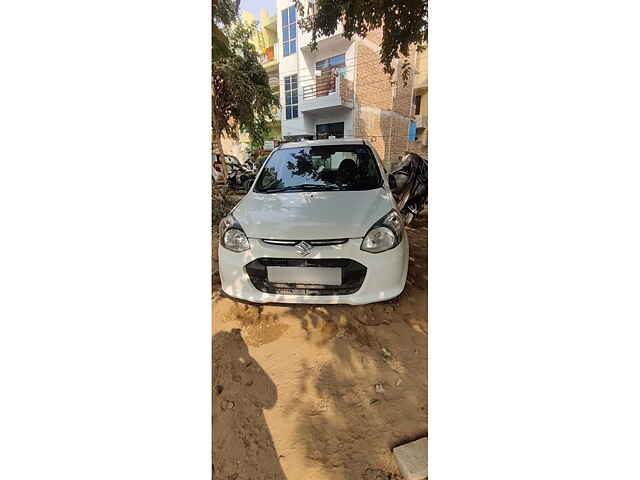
<point x="320" y="392"/>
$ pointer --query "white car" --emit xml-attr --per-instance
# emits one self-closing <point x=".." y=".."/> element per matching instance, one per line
<point x="319" y="226"/>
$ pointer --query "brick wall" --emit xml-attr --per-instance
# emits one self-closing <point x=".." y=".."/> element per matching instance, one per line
<point x="420" y="147"/>
<point x="346" y="90"/>
<point x="383" y="108"/>
<point x="375" y="36"/>
<point x="386" y="130"/>
<point x="373" y="86"/>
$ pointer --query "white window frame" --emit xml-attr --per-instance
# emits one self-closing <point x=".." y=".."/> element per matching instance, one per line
<point x="289" y="38"/>
<point x="288" y="82"/>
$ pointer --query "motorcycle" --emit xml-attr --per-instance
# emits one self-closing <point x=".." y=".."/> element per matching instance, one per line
<point x="409" y="185"/>
<point x="240" y="176"/>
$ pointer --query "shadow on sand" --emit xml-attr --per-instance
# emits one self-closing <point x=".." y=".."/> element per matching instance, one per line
<point x="242" y="445"/>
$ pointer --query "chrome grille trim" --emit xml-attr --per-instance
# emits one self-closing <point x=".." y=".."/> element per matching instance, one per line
<point x="282" y="242"/>
<point x="315" y="243"/>
<point x="337" y="241"/>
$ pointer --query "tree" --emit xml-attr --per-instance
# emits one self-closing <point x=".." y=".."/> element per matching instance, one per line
<point x="223" y="12"/>
<point x="242" y="98"/>
<point x="404" y="23"/>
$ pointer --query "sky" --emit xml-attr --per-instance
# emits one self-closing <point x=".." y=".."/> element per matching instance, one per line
<point x="254" y="6"/>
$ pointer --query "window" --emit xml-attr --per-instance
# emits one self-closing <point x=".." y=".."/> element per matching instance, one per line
<point x="291" y="96"/>
<point x="330" y="167"/>
<point x="289" y="31"/>
<point x="416" y="104"/>
<point x="326" y="130"/>
<point x="338" y="61"/>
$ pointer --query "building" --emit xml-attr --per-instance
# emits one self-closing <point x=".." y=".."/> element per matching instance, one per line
<point x="340" y="89"/>
<point x="265" y="40"/>
<point x="420" y="103"/>
<point x="266" y="43"/>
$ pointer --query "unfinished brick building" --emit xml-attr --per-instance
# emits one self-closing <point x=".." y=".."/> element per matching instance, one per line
<point x="340" y="89"/>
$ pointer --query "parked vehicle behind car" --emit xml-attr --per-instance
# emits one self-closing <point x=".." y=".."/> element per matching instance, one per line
<point x="409" y="185"/>
<point x="239" y="176"/>
<point x="320" y="225"/>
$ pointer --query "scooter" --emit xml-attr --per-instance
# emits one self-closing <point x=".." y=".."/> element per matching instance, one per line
<point x="409" y="185"/>
<point x="240" y="178"/>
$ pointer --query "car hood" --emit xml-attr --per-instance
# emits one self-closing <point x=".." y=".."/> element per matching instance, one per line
<point x="312" y="215"/>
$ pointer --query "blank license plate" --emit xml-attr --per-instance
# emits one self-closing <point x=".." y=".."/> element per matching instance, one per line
<point x="305" y="275"/>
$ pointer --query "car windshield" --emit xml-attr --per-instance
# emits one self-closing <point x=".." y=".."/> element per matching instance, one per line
<point x="331" y="167"/>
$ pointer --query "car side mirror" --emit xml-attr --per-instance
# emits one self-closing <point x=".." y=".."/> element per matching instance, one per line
<point x="392" y="182"/>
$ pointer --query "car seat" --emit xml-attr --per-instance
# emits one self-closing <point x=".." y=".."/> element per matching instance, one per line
<point x="346" y="171"/>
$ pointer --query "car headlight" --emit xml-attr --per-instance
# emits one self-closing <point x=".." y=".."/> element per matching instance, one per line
<point x="385" y="234"/>
<point x="232" y="237"/>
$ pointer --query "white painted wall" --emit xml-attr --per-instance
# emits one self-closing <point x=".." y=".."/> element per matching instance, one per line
<point x="288" y="66"/>
<point x="351" y="62"/>
<point x="303" y="63"/>
<point x="333" y="116"/>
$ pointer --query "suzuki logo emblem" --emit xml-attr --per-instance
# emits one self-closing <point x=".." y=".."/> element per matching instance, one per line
<point x="304" y="249"/>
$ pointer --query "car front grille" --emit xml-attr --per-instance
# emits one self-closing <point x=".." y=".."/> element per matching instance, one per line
<point x="353" y="274"/>
<point x="313" y="243"/>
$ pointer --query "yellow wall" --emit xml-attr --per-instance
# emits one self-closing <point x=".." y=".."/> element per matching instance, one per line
<point x="265" y="36"/>
<point x="423" y="103"/>
<point x="420" y="88"/>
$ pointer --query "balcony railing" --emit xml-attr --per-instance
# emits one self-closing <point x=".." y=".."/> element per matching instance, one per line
<point x="327" y="93"/>
<point x="315" y="91"/>
<point x="326" y="85"/>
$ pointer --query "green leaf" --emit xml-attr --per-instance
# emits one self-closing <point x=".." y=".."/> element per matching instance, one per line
<point x="219" y="43"/>
<point x="403" y="23"/>
<point x="243" y="100"/>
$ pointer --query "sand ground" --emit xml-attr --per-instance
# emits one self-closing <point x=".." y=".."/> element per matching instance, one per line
<point x="320" y="392"/>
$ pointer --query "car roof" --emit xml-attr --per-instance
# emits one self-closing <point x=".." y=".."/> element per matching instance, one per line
<point x="326" y="142"/>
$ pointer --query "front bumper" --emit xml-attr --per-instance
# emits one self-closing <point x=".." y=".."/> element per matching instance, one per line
<point x="385" y="278"/>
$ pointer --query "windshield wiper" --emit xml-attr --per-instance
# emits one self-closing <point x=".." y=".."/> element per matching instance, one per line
<point x="304" y="186"/>
<point x="352" y="188"/>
